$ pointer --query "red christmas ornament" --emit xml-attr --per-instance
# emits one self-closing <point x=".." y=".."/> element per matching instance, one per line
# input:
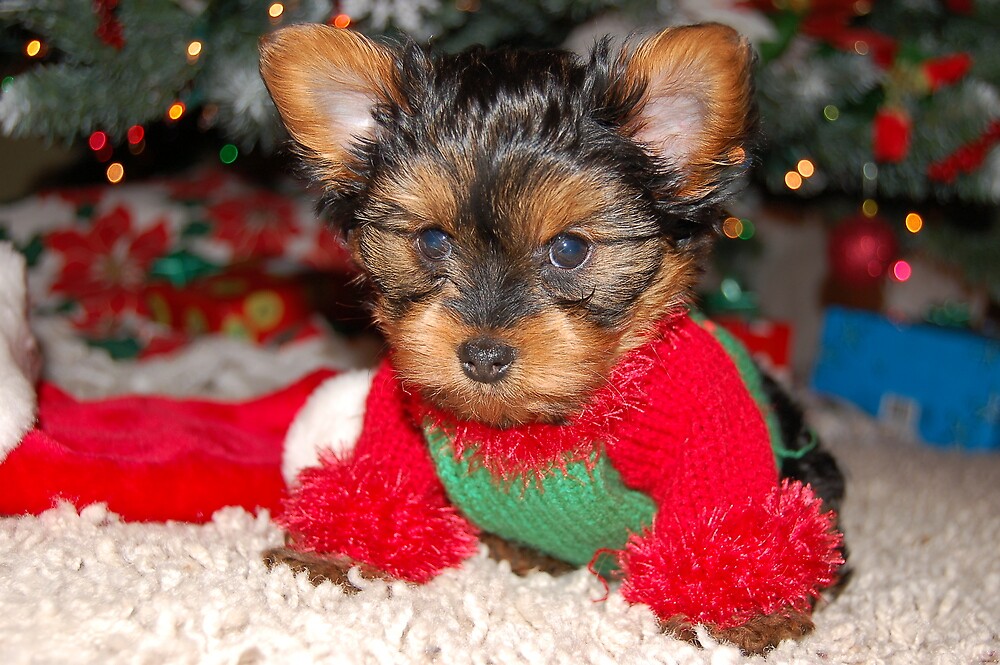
<point x="860" y="250"/>
<point x="946" y="70"/>
<point x="891" y="132"/>
<point x="109" y="28"/>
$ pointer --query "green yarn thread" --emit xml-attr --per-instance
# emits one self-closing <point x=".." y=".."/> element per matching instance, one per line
<point x="569" y="515"/>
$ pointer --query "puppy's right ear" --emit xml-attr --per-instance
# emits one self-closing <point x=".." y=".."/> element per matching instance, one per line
<point x="325" y="82"/>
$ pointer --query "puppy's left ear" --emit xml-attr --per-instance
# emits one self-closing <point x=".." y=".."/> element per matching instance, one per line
<point x="697" y="109"/>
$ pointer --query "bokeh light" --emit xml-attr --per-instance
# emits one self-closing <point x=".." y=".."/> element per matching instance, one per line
<point x="341" y="21"/>
<point x="228" y="153"/>
<point x="914" y="222"/>
<point x="115" y="173"/>
<point x="97" y="141"/>
<point x="176" y="110"/>
<point x="793" y="180"/>
<point x="33" y="48"/>
<point x="275" y="10"/>
<point x="805" y="168"/>
<point x="902" y="270"/>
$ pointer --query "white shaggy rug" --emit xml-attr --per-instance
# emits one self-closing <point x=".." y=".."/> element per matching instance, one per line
<point x="923" y="526"/>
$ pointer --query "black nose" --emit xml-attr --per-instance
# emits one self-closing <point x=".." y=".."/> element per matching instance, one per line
<point x="486" y="359"/>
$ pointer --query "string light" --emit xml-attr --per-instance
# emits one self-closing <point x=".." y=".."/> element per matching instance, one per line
<point x="33" y="48"/>
<point x="869" y="207"/>
<point x="914" y="222"/>
<point x="6" y="83"/>
<point x="805" y="168"/>
<point x="793" y="180"/>
<point x="135" y="134"/>
<point x="275" y="10"/>
<point x="228" y="153"/>
<point x="176" y="110"/>
<point x="193" y="51"/>
<point x="115" y="173"/>
<point x="97" y="141"/>
<point x="732" y="227"/>
<point x="341" y="21"/>
<point x="902" y="270"/>
<point x="861" y="47"/>
<point x="831" y="112"/>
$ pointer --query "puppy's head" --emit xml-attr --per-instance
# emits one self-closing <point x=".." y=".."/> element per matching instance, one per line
<point x="525" y="218"/>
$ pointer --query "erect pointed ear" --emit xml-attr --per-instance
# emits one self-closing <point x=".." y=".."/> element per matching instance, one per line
<point x="697" y="109"/>
<point x="325" y="82"/>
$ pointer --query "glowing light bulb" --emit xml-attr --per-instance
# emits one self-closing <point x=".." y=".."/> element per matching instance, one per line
<point x="914" y="222"/>
<point x="135" y="134"/>
<point x="275" y="10"/>
<point x="805" y="168"/>
<point x="732" y="227"/>
<point x="97" y="141"/>
<point x="33" y="48"/>
<point x="793" y="180"/>
<point x="228" y="153"/>
<point x="115" y="173"/>
<point x="341" y="21"/>
<point x="176" y="110"/>
<point x="902" y="270"/>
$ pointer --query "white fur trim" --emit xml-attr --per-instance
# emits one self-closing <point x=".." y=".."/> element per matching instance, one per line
<point x="331" y="419"/>
<point x="18" y="354"/>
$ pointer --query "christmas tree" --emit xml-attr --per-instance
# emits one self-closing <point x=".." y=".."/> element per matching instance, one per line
<point x="894" y="102"/>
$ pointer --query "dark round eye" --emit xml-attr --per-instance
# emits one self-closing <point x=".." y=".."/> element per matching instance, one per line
<point x="434" y="244"/>
<point x="568" y="251"/>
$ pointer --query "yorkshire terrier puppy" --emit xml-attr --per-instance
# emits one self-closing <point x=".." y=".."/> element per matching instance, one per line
<point x="532" y="224"/>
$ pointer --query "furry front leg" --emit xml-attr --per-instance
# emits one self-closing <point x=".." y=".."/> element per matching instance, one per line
<point x="747" y="573"/>
<point x="381" y="505"/>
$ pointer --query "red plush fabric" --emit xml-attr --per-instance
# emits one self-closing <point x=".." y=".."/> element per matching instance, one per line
<point x="383" y="505"/>
<point x="153" y="458"/>
<point x="723" y="566"/>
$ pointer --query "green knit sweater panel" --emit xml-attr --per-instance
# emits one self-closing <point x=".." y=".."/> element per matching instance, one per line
<point x="569" y="514"/>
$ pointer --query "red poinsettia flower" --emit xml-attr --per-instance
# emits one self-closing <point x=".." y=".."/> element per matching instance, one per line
<point x="105" y="266"/>
<point x="254" y="226"/>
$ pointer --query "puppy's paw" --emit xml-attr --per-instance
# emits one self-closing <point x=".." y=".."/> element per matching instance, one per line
<point x="321" y="568"/>
<point x="756" y="637"/>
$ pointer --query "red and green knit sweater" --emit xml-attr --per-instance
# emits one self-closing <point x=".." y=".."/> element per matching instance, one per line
<point x="669" y="468"/>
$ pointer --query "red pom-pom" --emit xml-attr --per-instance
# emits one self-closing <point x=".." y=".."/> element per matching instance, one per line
<point x="376" y="514"/>
<point x="726" y="567"/>
<point x="891" y="134"/>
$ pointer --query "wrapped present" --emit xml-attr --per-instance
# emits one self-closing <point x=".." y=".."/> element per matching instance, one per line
<point x="769" y="343"/>
<point x="241" y="302"/>
<point x="940" y="384"/>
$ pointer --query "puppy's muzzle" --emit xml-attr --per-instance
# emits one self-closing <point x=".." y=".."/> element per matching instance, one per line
<point x="486" y="359"/>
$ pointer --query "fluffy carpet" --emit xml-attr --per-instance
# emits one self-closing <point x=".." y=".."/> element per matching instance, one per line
<point x="923" y="526"/>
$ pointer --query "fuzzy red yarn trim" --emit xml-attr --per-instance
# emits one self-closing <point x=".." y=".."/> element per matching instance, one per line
<point x="724" y="567"/>
<point x="376" y="513"/>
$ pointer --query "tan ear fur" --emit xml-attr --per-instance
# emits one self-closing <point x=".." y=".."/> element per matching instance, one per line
<point x="324" y="82"/>
<point x="698" y="98"/>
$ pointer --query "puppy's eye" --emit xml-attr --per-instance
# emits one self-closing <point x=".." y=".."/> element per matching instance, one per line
<point x="434" y="244"/>
<point x="568" y="251"/>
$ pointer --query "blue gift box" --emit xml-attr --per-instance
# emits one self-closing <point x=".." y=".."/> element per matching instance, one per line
<point x="940" y="384"/>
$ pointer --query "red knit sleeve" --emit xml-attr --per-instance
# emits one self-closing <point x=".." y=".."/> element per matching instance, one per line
<point x="728" y="542"/>
<point x="383" y="505"/>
